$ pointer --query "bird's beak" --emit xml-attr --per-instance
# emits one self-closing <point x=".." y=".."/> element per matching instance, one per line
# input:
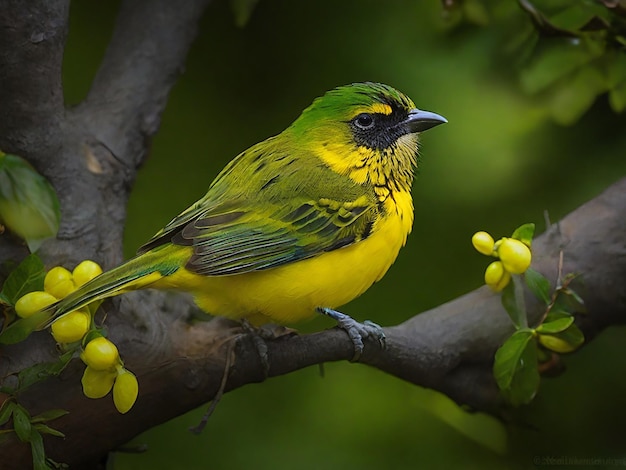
<point x="419" y="121"/>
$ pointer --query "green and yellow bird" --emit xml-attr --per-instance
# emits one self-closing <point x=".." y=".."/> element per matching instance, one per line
<point x="302" y="222"/>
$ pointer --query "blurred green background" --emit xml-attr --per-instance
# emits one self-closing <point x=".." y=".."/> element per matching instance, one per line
<point x="500" y="161"/>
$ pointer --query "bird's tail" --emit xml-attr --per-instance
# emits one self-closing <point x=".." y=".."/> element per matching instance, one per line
<point x="136" y="273"/>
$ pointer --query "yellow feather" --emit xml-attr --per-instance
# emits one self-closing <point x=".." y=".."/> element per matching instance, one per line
<point x="290" y="293"/>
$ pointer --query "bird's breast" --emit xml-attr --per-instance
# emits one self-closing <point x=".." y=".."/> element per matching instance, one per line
<point x="291" y="292"/>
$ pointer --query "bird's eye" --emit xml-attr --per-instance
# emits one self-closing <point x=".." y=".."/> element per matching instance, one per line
<point x="364" y="121"/>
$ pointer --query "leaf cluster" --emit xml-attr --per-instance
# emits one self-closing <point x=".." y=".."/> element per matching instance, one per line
<point x="30" y="429"/>
<point x="519" y="360"/>
<point x="29" y="206"/>
<point x="567" y="53"/>
<point x="29" y="276"/>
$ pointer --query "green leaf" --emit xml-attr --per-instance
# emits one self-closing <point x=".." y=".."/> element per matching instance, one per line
<point x="572" y="293"/>
<point x="48" y="416"/>
<point x="508" y="357"/>
<point x="565" y="302"/>
<point x="511" y="306"/>
<point x="20" y="329"/>
<point x="615" y="68"/>
<point x="6" y="411"/>
<point x="242" y="9"/>
<point x="538" y="285"/>
<point x="39" y="372"/>
<point x="555" y="326"/>
<point x="29" y="206"/>
<point x="93" y="334"/>
<point x="575" y="94"/>
<point x="521" y="44"/>
<point x="31" y="375"/>
<point x="541" y="21"/>
<point x="554" y="315"/>
<point x="578" y="15"/>
<point x="475" y="12"/>
<point x="16" y="332"/>
<point x="38" y="451"/>
<point x="617" y="98"/>
<point x="525" y="233"/>
<point x="515" y="368"/>
<point x="44" y="429"/>
<point x="27" y="277"/>
<point x="565" y="341"/>
<point x="21" y="423"/>
<point x="559" y="59"/>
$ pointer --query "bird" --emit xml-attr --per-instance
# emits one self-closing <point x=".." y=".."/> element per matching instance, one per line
<point x="298" y="224"/>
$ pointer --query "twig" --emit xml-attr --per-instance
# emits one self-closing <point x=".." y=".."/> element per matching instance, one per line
<point x="230" y="360"/>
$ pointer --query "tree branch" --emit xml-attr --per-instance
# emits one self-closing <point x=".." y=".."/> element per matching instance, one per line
<point x="31" y="53"/>
<point x="142" y="62"/>
<point x="93" y="161"/>
<point x="449" y="348"/>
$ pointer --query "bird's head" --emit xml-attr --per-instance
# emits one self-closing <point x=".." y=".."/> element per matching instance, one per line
<point x="367" y="131"/>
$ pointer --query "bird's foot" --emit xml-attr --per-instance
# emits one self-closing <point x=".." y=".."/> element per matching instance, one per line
<point x="261" y="335"/>
<point x="356" y="331"/>
<point x="258" y="336"/>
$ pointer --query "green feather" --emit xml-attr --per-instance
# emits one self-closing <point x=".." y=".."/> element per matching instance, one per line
<point x="164" y="261"/>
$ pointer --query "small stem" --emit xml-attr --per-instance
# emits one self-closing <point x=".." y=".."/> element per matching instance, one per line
<point x="546" y="219"/>
<point x="520" y="302"/>
<point x="230" y="360"/>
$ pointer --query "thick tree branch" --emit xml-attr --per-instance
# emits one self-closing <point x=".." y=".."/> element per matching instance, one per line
<point x="141" y="64"/>
<point x="105" y="138"/>
<point x="31" y="53"/>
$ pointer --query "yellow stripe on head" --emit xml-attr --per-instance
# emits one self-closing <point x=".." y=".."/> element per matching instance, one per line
<point x="375" y="108"/>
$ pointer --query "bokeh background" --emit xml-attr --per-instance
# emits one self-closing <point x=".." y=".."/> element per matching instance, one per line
<point x="501" y="161"/>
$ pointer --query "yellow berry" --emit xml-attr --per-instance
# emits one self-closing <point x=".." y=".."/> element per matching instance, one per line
<point x="33" y="302"/>
<point x="71" y="327"/>
<point x="59" y="282"/>
<point x="556" y="344"/>
<point x="483" y="242"/>
<point x="97" y="383"/>
<point x="515" y="255"/>
<point x="85" y="272"/>
<point x="496" y="276"/>
<point x="125" y="391"/>
<point x="100" y="354"/>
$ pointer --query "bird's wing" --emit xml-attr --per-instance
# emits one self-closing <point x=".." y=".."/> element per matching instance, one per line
<point x="240" y="241"/>
<point x="238" y="238"/>
<point x="197" y="210"/>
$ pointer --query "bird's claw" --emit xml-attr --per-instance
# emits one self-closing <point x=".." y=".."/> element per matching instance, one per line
<point x="356" y="331"/>
<point x="258" y="339"/>
<point x="377" y="331"/>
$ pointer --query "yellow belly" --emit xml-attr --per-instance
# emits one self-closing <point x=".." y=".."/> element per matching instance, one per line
<point x="291" y="293"/>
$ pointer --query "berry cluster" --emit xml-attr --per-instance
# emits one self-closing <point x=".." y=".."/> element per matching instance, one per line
<point x="105" y="369"/>
<point x="58" y="284"/>
<point x="513" y="255"/>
